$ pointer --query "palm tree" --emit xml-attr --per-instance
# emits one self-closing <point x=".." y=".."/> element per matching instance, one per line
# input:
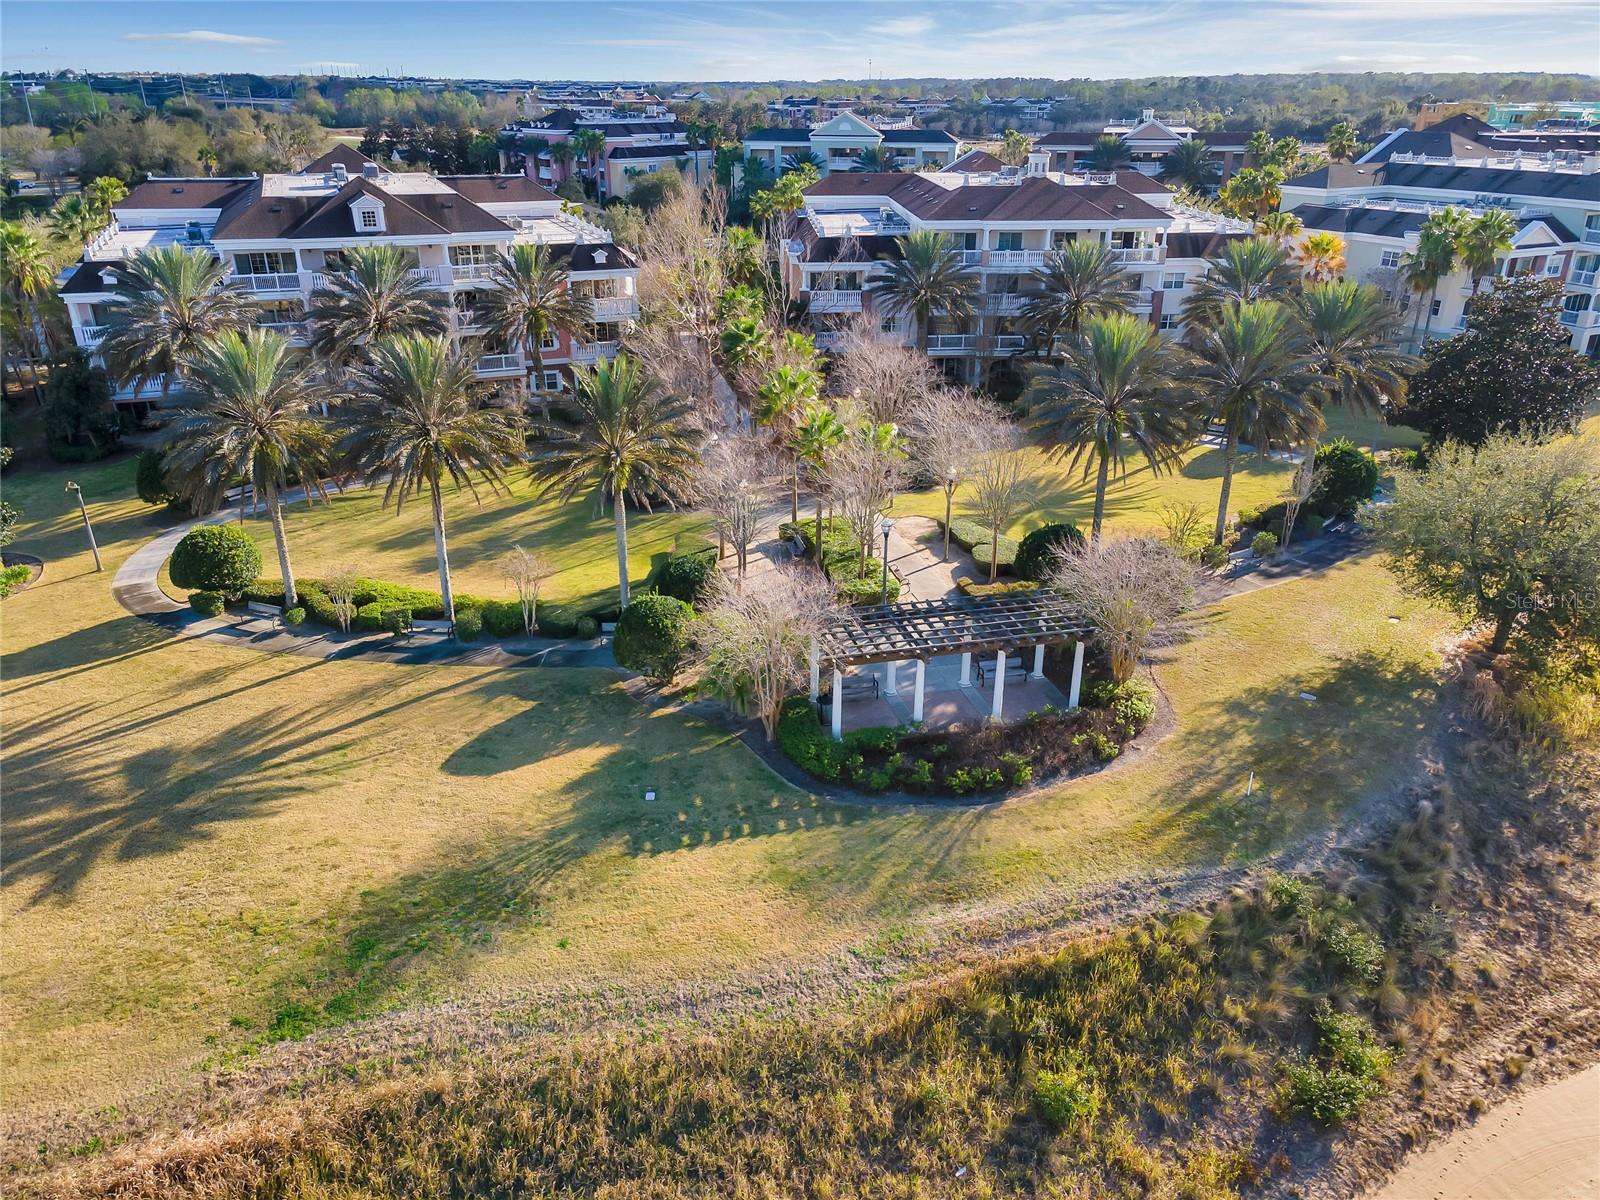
<point x="746" y="342"/>
<point x="1121" y="387"/>
<point x="1485" y="239"/>
<point x="1341" y="142"/>
<point x="562" y="154"/>
<point x="634" y="441"/>
<point x="591" y="143"/>
<point x="1259" y="381"/>
<point x="1078" y="280"/>
<point x="1322" y="257"/>
<point x="417" y="420"/>
<point x="1438" y="242"/>
<point x="817" y="433"/>
<point x="928" y="278"/>
<point x="781" y="398"/>
<point x="1108" y="153"/>
<point x="369" y="295"/>
<point x="253" y="422"/>
<point x="74" y="220"/>
<point x="798" y="162"/>
<point x="27" y="279"/>
<point x="104" y="192"/>
<point x="532" y="300"/>
<point x="207" y="158"/>
<point x="168" y="302"/>
<point x="747" y="256"/>
<point x="1248" y="269"/>
<point x="1280" y="226"/>
<point x="1190" y="164"/>
<point x="875" y="158"/>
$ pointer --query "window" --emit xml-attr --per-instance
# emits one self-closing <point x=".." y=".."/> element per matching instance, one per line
<point x="1390" y="259"/>
<point x="1008" y="241"/>
<point x="886" y="325"/>
<point x="550" y="341"/>
<point x="369" y="218"/>
<point x="1060" y="238"/>
<point x="1169" y="321"/>
<point x="552" y="381"/>
<point x="1172" y="283"/>
<point x="268" y="263"/>
<point x="969" y="241"/>
<point x="471" y="256"/>
<point x="1438" y="306"/>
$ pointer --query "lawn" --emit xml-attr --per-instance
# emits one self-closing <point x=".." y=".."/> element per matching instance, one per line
<point x="207" y="846"/>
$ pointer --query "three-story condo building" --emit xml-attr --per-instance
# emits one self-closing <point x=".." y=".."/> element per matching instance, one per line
<point x="278" y="234"/>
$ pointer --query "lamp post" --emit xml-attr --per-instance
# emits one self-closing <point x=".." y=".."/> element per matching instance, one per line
<point x="886" y="527"/>
<point x="89" y="529"/>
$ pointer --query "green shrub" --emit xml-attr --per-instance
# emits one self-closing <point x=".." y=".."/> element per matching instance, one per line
<point x="1007" y="551"/>
<point x="369" y="618"/>
<point x="208" y="604"/>
<point x="806" y="743"/>
<point x="13" y="577"/>
<point x="1066" y="1098"/>
<point x="503" y="618"/>
<point x="967" y="533"/>
<point x="216" y="558"/>
<point x="150" y="478"/>
<point x="685" y="576"/>
<point x="652" y="635"/>
<point x="294" y="617"/>
<point x="1328" y="1094"/>
<point x="1356" y="1064"/>
<point x="1350" y="1041"/>
<point x="1264" y="544"/>
<point x="1358" y="952"/>
<point x="1018" y="767"/>
<point x="1348" y="477"/>
<point x="1214" y="557"/>
<point x="1000" y="587"/>
<point x="320" y="607"/>
<point x="395" y="620"/>
<point x="469" y="624"/>
<point x="869" y="590"/>
<point x="586" y="627"/>
<point x="1038" y="550"/>
<point x="1132" y="705"/>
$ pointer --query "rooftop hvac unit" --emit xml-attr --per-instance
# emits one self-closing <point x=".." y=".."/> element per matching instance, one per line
<point x="369" y="170"/>
<point x="340" y="173"/>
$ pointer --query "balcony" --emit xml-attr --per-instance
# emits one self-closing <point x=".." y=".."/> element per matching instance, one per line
<point x="1010" y="343"/>
<point x="951" y="343"/>
<point x="588" y="352"/>
<point x="1000" y="304"/>
<point x="468" y="272"/>
<point x="1127" y="255"/>
<point x="498" y="364"/>
<point x="277" y="281"/>
<point x="1570" y="316"/>
<point x="836" y="301"/>
<point x="295" y="331"/>
<point x="1013" y="259"/>
<point x="971" y="258"/>
<point x="93" y="334"/>
<point x="615" y="308"/>
<point x="828" y="339"/>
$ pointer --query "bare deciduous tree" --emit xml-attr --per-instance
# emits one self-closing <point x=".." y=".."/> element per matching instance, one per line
<point x="1134" y="591"/>
<point x="734" y="482"/>
<point x="526" y="571"/>
<point x="685" y="271"/>
<point x="863" y="476"/>
<point x="752" y="645"/>
<point x="1001" y="491"/>
<point x="1306" y="478"/>
<point x="341" y="585"/>
<point x="887" y="377"/>
<point x="950" y="430"/>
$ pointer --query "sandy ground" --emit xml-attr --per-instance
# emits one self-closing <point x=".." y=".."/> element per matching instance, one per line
<point x="1542" y="1146"/>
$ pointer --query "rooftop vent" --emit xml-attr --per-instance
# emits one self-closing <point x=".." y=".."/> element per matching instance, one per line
<point x="369" y="170"/>
<point x="340" y="172"/>
<point x="176" y="190"/>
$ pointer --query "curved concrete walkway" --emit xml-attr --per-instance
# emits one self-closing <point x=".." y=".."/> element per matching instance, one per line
<point x="137" y="588"/>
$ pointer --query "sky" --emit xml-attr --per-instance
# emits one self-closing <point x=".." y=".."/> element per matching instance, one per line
<point x="710" y="40"/>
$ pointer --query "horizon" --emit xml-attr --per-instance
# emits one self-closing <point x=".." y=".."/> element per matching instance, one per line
<point x="730" y="43"/>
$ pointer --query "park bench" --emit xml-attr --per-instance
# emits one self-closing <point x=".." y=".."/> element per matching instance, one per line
<point x="1014" y="669"/>
<point x="266" y="612"/>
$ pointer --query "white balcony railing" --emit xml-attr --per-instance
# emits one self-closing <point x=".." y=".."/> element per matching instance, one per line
<point x="92" y="334"/>
<point x="1569" y="316"/>
<point x="588" y="352"/>
<point x="289" y="329"/>
<point x="437" y="276"/>
<point x="1014" y="258"/>
<point x="971" y="258"/>
<point x="613" y="308"/>
<point x="835" y="301"/>
<point x="271" y="281"/>
<point x="828" y="339"/>
<point x="1005" y="303"/>
<point x="489" y="364"/>
<point x="1010" y="343"/>
<point x="466" y="272"/>
<point x="1137" y="254"/>
<point x="951" y="343"/>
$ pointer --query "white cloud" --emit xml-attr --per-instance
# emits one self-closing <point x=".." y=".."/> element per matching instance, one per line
<point x="208" y="36"/>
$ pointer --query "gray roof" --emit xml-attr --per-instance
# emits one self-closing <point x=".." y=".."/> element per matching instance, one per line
<point x="1383" y="222"/>
<point x="184" y="193"/>
<point x="1034" y="199"/>
<point x="497" y="189"/>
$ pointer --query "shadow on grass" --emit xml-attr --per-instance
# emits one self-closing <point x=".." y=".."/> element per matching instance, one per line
<point x="1311" y="759"/>
<point x="105" y="644"/>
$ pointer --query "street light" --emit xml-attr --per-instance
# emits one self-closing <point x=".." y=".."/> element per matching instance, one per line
<point x="886" y="527"/>
<point x="89" y="529"/>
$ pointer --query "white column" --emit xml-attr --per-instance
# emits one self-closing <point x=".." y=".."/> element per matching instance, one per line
<point x="1038" y="662"/>
<point x="966" y="669"/>
<point x="816" y="671"/>
<point x="1077" y="675"/>
<point x="889" y="688"/>
<point x="999" y="684"/>
<point x="838" y="705"/>
<point x="916" y="700"/>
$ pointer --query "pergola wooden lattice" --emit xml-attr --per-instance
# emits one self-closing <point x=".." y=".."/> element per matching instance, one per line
<point x="925" y="629"/>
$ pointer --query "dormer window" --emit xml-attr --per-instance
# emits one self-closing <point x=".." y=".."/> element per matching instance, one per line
<point x="367" y="212"/>
<point x="369" y="218"/>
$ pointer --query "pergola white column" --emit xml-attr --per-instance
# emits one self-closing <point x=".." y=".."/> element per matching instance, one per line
<point x="889" y="688"/>
<point x="1077" y="675"/>
<point x="999" y="685"/>
<point x="838" y="705"/>
<point x="916" y="696"/>
<point x="1038" y="662"/>
<point x="816" y="670"/>
<point x="966" y="669"/>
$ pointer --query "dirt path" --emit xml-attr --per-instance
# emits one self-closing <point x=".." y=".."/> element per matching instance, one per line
<point x="1542" y="1146"/>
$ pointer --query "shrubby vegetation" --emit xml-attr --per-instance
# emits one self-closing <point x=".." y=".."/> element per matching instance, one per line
<point x="216" y="558"/>
<point x="653" y="636"/>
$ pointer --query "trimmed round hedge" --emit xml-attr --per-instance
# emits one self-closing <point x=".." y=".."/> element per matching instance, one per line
<point x="1349" y="476"/>
<point x="652" y="636"/>
<point x="684" y="576"/>
<point x="216" y="558"/>
<point x="1037" y="551"/>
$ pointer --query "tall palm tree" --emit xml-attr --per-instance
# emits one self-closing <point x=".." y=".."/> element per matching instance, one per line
<point x="417" y="421"/>
<point x="27" y="280"/>
<point x="369" y="295"/>
<point x="1352" y="339"/>
<point x="591" y="143"/>
<point x="746" y="343"/>
<point x="104" y="192"/>
<point x="1247" y="270"/>
<point x="1108" y="153"/>
<point x="1079" y="280"/>
<point x="1280" y="226"/>
<point x="1259" y="382"/>
<point x="1322" y="256"/>
<point x="531" y="300"/>
<point x="74" y="220"/>
<point x="207" y="158"/>
<point x="781" y="398"/>
<point x="874" y="158"/>
<point x="798" y="162"/>
<point x="253" y="421"/>
<point x="167" y="303"/>
<point x="1190" y="164"/>
<point x="634" y="441"/>
<point x="1341" y="142"/>
<point x="928" y="278"/>
<point x="1486" y="238"/>
<point x="562" y="154"/>
<point x="817" y="434"/>
<point x="1425" y="268"/>
<point x="1121" y="387"/>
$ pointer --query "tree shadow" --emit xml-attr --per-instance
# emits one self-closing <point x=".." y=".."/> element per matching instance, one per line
<point x="107" y="643"/>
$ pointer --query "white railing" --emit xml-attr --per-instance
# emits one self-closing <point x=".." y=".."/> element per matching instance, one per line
<point x="589" y="352"/>
<point x="462" y="272"/>
<point x="950" y="343"/>
<point x="100" y="241"/>
<point x="289" y="329"/>
<point x="1010" y="343"/>
<point x="828" y="339"/>
<point x="1569" y="316"/>
<point x="1001" y="303"/>
<point x="92" y="334"/>
<point x="609" y="308"/>
<point x="1137" y="254"/>
<point x="269" y="281"/>
<point x="971" y="258"/>
<point x="1144" y="302"/>
<point x="490" y="363"/>
<point x="835" y="301"/>
<point x="437" y="276"/>
<point x="1014" y="258"/>
<point x="150" y="391"/>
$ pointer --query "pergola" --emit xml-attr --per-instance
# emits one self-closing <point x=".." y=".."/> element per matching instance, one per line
<point x="967" y="625"/>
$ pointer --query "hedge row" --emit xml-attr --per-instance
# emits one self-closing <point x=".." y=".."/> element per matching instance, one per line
<point x="975" y="538"/>
<point x="856" y="583"/>
<point x="374" y="597"/>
